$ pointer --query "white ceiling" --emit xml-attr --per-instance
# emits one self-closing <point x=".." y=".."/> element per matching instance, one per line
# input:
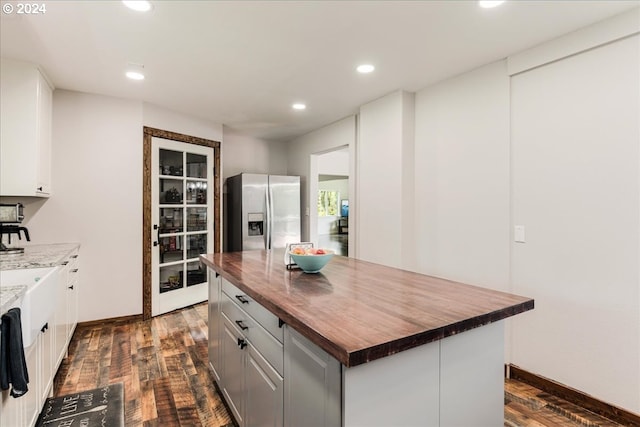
<point x="243" y="63"/>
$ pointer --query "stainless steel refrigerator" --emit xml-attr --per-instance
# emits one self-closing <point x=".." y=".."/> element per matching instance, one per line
<point x="263" y="211"/>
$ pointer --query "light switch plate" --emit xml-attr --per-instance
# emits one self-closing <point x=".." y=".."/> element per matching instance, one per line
<point x="518" y="234"/>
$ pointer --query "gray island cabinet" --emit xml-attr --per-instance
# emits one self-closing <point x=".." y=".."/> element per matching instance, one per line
<point x="358" y="344"/>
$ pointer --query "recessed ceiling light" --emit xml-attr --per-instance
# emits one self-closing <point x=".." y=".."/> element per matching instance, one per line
<point x="488" y="4"/>
<point x="365" y="68"/>
<point x="298" y="106"/>
<point x="135" y="71"/>
<point x="138" y="5"/>
<point x="134" y="75"/>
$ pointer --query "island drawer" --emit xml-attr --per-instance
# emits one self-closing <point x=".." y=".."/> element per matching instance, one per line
<point x="264" y="317"/>
<point x="269" y="347"/>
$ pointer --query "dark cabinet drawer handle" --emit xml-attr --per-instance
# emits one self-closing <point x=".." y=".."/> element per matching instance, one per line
<point x="75" y="270"/>
<point x="74" y="256"/>
<point x="65" y="263"/>
<point x="242" y="343"/>
<point x="39" y="188"/>
<point x="242" y="299"/>
<point x="71" y="287"/>
<point x="242" y="325"/>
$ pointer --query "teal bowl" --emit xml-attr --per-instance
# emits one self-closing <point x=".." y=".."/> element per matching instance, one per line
<point x="311" y="263"/>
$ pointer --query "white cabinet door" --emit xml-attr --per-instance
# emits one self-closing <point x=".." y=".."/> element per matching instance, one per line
<point x="313" y="384"/>
<point x="47" y="361"/>
<point x="233" y="360"/>
<point x="215" y="324"/>
<point x="32" y="397"/>
<point x="25" y="134"/>
<point x="65" y="317"/>
<point x="43" y="138"/>
<point x="72" y="295"/>
<point x="60" y="322"/>
<point x="11" y="410"/>
<point x="182" y="196"/>
<point x="264" y="392"/>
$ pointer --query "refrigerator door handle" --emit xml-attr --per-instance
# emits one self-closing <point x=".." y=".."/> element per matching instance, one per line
<point x="267" y="234"/>
<point x="271" y="217"/>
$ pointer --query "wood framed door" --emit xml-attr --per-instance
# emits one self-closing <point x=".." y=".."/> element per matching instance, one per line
<point x="181" y="219"/>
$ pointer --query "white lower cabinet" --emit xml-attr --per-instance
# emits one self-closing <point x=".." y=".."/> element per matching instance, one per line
<point x="66" y="314"/>
<point x="313" y="384"/>
<point x="47" y="364"/>
<point x="250" y="360"/>
<point x="44" y="356"/>
<point x="214" y="323"/>
<point x="24" y="411"/>
<point x="264" y="391"/>
<point x="268" y="374"/>
<point x="232" y="376"/>
<point x="32" y="397"/>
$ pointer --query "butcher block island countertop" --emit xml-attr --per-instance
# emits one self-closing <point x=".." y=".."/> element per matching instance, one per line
<point x="359" y="311"/>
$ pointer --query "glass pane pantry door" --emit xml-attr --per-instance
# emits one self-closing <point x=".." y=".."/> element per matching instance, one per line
<point x="182" y="221"/>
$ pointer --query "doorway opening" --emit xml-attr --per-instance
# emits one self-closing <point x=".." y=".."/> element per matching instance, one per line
<point x="331" y="192"/>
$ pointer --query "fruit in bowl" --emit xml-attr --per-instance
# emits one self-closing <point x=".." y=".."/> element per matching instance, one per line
<point x="311" y="260"/>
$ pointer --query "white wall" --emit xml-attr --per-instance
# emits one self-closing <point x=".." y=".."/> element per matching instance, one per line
<point x="242" y="153"/>
<point x="575" y="143"/>
<point x="301" y="157"/>
<point x="555" y="148"/>
<point x="97" y="199"/>
<point x="334" y="163"/>
<point x="384" y="185"/>
<point x="161" y="118"/>
<point x="462" y="178"/>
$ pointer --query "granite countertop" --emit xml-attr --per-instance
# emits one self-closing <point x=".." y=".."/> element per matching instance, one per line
<point x="35" y="256"/>
<point x="38" y="256"/>
<point x="359" y="311"/>
<point x="10" y="295"/>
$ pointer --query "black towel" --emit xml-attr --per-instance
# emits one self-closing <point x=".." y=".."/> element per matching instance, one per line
<point x="13" y="366"/>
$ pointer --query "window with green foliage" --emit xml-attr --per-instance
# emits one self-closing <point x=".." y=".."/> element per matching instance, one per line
<point x="328" y="203"/>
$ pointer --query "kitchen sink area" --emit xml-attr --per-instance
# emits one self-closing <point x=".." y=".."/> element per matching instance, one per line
<point x="36" y="302"/>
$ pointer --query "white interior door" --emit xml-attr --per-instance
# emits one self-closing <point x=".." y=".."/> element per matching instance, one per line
<point x="182" y="223"/>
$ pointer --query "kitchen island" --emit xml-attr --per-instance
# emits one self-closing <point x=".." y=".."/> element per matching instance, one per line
<point x="410" y="349"/>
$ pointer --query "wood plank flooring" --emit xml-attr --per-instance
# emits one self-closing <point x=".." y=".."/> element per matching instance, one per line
<point x="163" y="364"/>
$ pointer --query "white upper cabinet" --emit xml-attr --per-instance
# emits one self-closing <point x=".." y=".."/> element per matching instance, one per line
<point x="25" y="142"/>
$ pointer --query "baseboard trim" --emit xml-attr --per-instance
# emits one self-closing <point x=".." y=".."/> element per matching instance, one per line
<point x="131" y="318"/>
<point x="574" y="396"/>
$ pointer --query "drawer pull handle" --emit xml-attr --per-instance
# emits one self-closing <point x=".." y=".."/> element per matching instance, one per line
<point x="242" y="325"/>
<point x="65" y="263"/>
<point x="242" y="299"/>
<point x="242" y="343"/>
<point x="75" y="270"/>
<point x="74" y="256"/>
<point x="70" y="287"/>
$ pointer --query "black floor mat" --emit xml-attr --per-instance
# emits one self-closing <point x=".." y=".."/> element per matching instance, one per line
<point x="100" y="407"/>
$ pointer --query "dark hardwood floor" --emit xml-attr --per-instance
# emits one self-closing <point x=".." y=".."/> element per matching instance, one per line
<point x="163" y="364"/>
